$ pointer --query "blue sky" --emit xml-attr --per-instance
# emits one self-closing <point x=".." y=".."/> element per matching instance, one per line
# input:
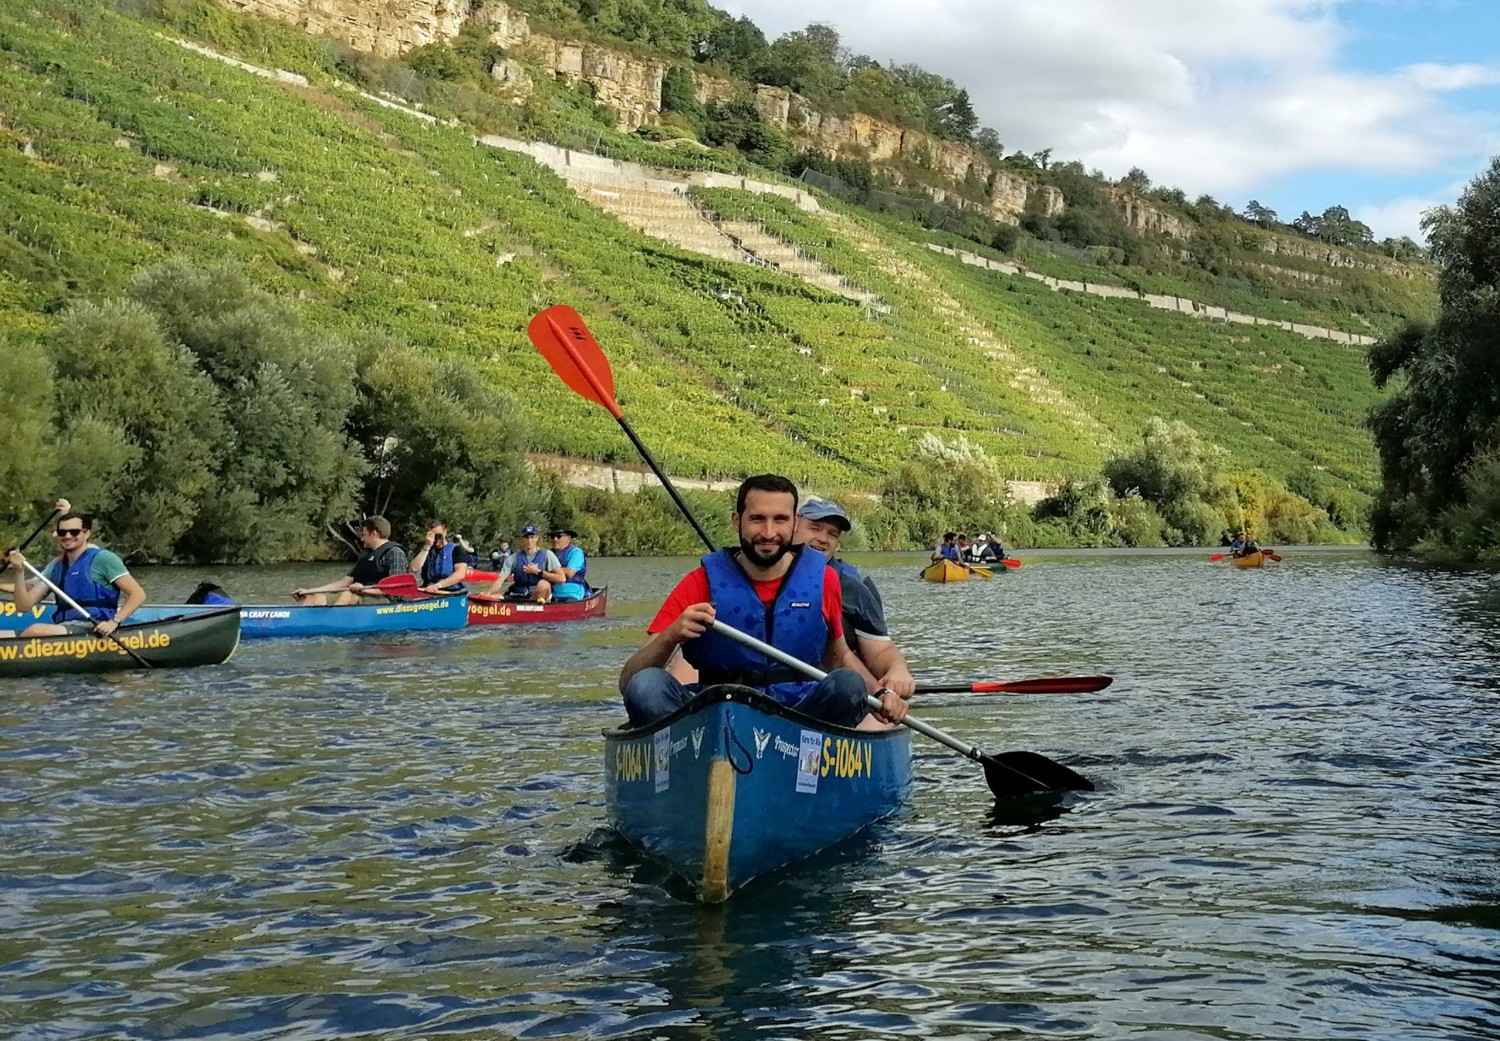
<point x="1387" y="107"/>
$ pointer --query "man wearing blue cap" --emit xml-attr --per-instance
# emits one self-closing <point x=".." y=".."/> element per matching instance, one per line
<point x="821" y="523"/>
<point x="531" y="569"/>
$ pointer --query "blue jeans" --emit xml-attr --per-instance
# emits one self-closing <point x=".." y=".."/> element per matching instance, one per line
<point x="839" y="698"/>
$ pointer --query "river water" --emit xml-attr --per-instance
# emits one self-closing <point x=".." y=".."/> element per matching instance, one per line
<point x="1294" y="834"/>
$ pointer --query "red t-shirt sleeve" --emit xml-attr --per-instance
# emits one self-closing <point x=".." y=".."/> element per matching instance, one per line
<point x="833" y="603"/>
<point x="693" y="589"/>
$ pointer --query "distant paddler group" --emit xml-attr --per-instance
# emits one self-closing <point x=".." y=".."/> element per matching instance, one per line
<point x="956" y="558"/>
<point x="1245" y="552"/>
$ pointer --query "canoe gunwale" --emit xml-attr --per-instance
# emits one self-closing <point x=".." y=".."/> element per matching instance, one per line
<point x="722" y="692"/>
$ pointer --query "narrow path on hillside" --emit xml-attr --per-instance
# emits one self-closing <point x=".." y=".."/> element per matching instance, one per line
<point x="1021" y="376"/>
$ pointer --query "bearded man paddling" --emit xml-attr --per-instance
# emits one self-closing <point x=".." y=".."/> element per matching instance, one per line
<point x="782" y="594"/>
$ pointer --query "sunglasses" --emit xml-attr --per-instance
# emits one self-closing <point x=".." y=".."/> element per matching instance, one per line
<point x="64" y="533"/>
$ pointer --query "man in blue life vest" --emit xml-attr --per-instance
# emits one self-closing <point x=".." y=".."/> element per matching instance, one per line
<point x="91" y="575"/>
<point x="821" y="524"/>
<point x="782" y="594"/>
<point x="1237" y="547"/>
<point x="948" y="550"/>
<point x="573" y="565"/>
<point x="382" y="558"/>
<point x="442" y="562"/>
<point x="533" y="571"/>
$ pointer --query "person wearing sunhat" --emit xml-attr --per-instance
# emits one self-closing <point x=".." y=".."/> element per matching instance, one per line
<point x="821" y="523"/>
<point x="573" y="565"/>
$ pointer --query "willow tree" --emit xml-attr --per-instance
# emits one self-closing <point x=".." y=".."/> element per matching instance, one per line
<point x="1438" y="435"/>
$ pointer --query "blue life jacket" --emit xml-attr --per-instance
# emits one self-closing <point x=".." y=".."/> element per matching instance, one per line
<point x="526" y="583"/>
<point x="951" y="552"/>
<point x="577" y="586"/>
<point x="100" y="601"/>
<point x="437" y="565"/>
<point x="217" y="600"/>
<point x="793" y="623"/>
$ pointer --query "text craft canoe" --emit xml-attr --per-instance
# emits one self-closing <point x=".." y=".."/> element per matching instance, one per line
<point x="203" y="638"/>
<point x="945" y="570"/>
<point x="496" y="610"/>
<point x="734" y="785"/>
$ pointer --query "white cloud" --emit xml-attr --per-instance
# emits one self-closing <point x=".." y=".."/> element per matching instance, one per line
<point x="1217" y="96"/>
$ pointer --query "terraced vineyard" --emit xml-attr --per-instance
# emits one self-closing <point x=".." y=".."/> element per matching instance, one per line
<point x="122" y="148"/>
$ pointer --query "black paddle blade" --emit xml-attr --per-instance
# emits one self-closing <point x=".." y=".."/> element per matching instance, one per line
<point x="1010" y="774"/>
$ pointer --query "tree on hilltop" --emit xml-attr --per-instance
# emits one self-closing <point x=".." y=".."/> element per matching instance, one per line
<point x="1256" y="213"/>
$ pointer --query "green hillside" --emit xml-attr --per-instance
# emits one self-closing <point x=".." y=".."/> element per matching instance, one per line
<point x="120" y="149"/>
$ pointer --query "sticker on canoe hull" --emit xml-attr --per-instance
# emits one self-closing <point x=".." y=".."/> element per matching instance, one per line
<point x="663" y="750"/>
<point x="809" y="762"/>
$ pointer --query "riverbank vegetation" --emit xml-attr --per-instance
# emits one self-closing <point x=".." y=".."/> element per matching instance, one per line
<point x="403" y="381"/>
<point x="1438" y="434"/>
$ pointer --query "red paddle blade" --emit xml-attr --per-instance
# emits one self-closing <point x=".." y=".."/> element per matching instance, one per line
<point x="481" y="576"/>
<point x="1274" y="556"/>
<point x="574" y="354"/>
<point x="1046" y="685"/>
<point x="396" y="583"/>
<point x="1214" y="558"/>
<point x="1011" y="562"/>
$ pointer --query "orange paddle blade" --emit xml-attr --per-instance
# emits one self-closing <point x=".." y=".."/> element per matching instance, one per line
<point x="574" y="354"/>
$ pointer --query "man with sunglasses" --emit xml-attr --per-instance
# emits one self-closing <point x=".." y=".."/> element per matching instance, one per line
<point x="92" y="576"/>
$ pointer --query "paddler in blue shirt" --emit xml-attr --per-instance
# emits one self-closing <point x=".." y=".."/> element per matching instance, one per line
<point x="948" y="550"/>
<point x="573" y="564"/>
<point x="821" y="523"/>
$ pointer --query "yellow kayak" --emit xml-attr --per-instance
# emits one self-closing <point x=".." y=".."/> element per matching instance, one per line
<point x="945" y="571"/>
<point x="1249" y="560"/>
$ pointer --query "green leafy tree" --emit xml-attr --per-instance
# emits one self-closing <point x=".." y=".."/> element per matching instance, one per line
<point x="26" y="454"/>
<point x="1178" y="473"/>
<point x="284" y="466"/>
<point x="734" y="42"/>
<point x="806" y="61"/>
<point x="943" y="487"/>
<point x="442" y="443"/>
<point x="139" y="429"/>
<point x="1445" y="411"/>
<point x="1259" y="214"/>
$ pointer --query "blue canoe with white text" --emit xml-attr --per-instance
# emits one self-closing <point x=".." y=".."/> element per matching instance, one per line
<point x="734" y="785"/>
<point x="267" y="620"/>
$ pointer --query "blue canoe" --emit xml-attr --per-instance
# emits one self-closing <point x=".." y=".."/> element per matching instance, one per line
<point x="262" y="620"/>
<point x="734" y="785"/>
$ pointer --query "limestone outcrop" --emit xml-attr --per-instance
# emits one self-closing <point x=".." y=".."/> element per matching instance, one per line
<point x="631" y="87"/>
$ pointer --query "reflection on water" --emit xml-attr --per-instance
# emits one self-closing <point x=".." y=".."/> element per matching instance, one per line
<point x="1293" y="837"/>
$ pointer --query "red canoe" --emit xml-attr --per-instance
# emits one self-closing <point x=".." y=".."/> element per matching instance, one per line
<point x="496" y="610"/>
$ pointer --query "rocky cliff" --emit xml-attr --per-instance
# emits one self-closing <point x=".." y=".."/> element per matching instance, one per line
<point x="631" y="87"/>
<point x="387" y="28"/>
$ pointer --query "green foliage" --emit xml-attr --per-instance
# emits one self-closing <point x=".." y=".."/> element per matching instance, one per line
<point x="678" y="94"/>
<point x="943" y="487"/>
<point x="1175" y="471"/>
<point x="26" y="459"/>
<point x="442" y="443"/>
<point x="1445" y="412"/>
<point x="138" y="425"/>
<point x="283" y="462"/>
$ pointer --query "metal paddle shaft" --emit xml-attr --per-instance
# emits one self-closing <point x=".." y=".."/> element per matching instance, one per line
<point x="144" y="663"/>
<point x="1008" y="774"/>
